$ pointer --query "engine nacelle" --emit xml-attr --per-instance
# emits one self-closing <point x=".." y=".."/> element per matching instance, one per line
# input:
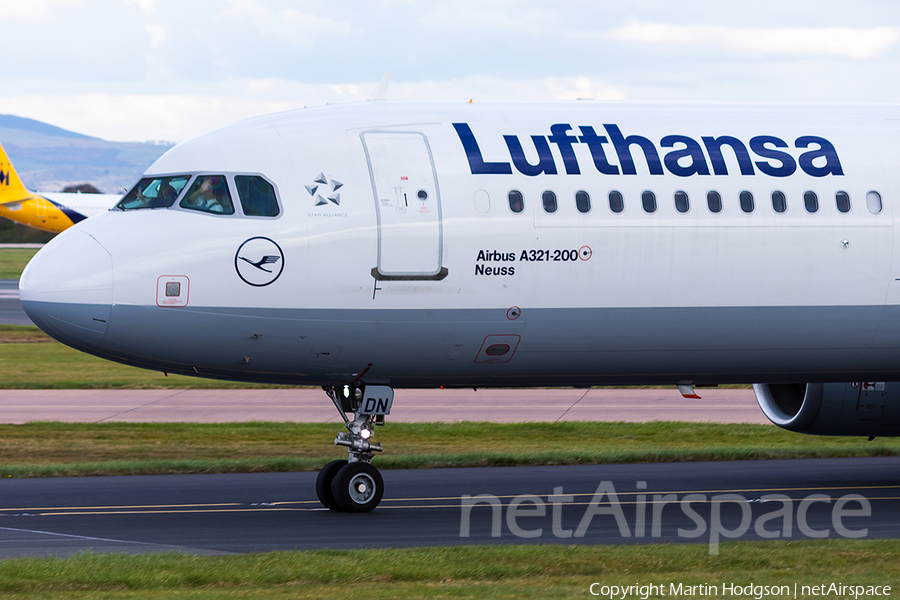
<point x="859" y="408"/>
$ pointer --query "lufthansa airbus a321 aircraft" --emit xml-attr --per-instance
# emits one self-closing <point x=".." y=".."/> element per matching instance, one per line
<point x="384" y="245"/>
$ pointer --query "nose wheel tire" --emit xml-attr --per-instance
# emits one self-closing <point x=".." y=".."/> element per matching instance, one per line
<point x="324" y="481"/>
<point x="357" y="487"/>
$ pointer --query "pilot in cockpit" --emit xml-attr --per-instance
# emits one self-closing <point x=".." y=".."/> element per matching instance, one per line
<point x="166" y="195"/>
<point x="209" y="196"/>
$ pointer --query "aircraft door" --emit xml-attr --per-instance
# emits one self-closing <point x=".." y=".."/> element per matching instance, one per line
<point x="407" y="206"/>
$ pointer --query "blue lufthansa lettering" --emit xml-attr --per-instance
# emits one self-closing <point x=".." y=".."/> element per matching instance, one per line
<point x="788" y="164"/>
<point x="691" y="150"/>
<point x="595" y="145"/>
<point x="473" y="153"/>
<point x="714" y="148"/>
<point x="564" y="143"/>
<point x="686" y="159"/>
<point x="623" y="145"/>
<point x="545" y="158"/>
<point x="826" y="149"/>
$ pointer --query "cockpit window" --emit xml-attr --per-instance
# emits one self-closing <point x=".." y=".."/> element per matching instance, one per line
<point x="209" y="193"/>
<point x="154" y="192"/>
<point x="257" y="196"/>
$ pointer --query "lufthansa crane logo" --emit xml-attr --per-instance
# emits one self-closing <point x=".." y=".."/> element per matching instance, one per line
<point x="259" y="261"/>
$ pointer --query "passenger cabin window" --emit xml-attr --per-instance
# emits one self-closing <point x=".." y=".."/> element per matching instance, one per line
<point x="616" y="202"/>
<point x="516" y="201"/>
<point x="842" y="200"/>
<point x="811" y="202"/>
<point x="682" y="203"/>
<point x="873" y="202"/>
<point x="746" y="199"/>
<point x="583" y="201"/>
<point x="648" y="200"/>
<point x="714" y="201"/>
<point x="209" y="193"/>
<point x="779" y="202"/>
<point x="257" y="196"/>
<point x="548" y="198"/>
<point x="154" y="192"/>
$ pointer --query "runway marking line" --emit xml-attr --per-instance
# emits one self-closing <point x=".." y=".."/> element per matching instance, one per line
<point x="170" y="512"/>
<point x="285" y="506"/>
<point x="80" y="537"/>
<point x="409" y="506"/>
<point x="37" y="509"/>
<point x="648" y="492"/>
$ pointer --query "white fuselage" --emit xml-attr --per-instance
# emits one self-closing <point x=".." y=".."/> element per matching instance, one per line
<point x="86" y="205"/>
<point x="396" y="257"/>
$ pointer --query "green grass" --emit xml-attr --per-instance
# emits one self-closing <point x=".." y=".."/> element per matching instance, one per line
<point x="33" y="360"/>
<point x="526" y="571"/>
<point x="58" y="449"/>
<point x="13" y="261"/>
<point x="22" y="334"/>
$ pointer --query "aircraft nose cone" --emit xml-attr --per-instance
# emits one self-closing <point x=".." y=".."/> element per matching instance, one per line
<point x="67" y="289"/>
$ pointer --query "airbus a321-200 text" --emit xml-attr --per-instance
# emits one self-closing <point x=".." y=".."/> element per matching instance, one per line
<point x="383" y="245"/>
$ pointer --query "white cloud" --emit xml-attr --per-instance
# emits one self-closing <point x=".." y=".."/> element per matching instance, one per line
<point x="243" y="10"/>
<point x="33" y="9"/>
<point x="288" y="25"/>
<point x="142" y="117"/>
<point x="842" y="42"/>
<point x="107" y="59"/>
<point x="148" y="6"/>
<point x="157" y="34"/>
<point x="509" y="17"/>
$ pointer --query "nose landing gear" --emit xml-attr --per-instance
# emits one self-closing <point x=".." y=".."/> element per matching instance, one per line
<point x="354" y="485"/>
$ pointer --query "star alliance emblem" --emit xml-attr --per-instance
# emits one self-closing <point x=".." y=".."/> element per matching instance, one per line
<point x="323" y="197"/>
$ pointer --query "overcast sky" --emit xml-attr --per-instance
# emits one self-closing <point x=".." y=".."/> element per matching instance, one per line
<point x="135" y="70"/>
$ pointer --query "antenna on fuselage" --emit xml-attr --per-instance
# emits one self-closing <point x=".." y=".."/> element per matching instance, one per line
<point x="380" y="91"/>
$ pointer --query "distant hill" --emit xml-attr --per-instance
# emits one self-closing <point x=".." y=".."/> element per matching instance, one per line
<point x="48" y="158"/>
<point x="14" y="122"/>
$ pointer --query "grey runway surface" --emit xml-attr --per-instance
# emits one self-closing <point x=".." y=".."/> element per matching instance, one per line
<point x="222" y="514"/>
<point x="431" y="405"/>
<point x="11" y="312"/>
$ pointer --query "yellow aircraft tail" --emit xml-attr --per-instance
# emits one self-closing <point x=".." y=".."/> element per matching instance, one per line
<point x="11" y="187"/>
<point x="22" y="206"/>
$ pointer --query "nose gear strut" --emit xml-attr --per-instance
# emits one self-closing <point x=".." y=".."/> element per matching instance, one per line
<point x="354" y="485"/>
